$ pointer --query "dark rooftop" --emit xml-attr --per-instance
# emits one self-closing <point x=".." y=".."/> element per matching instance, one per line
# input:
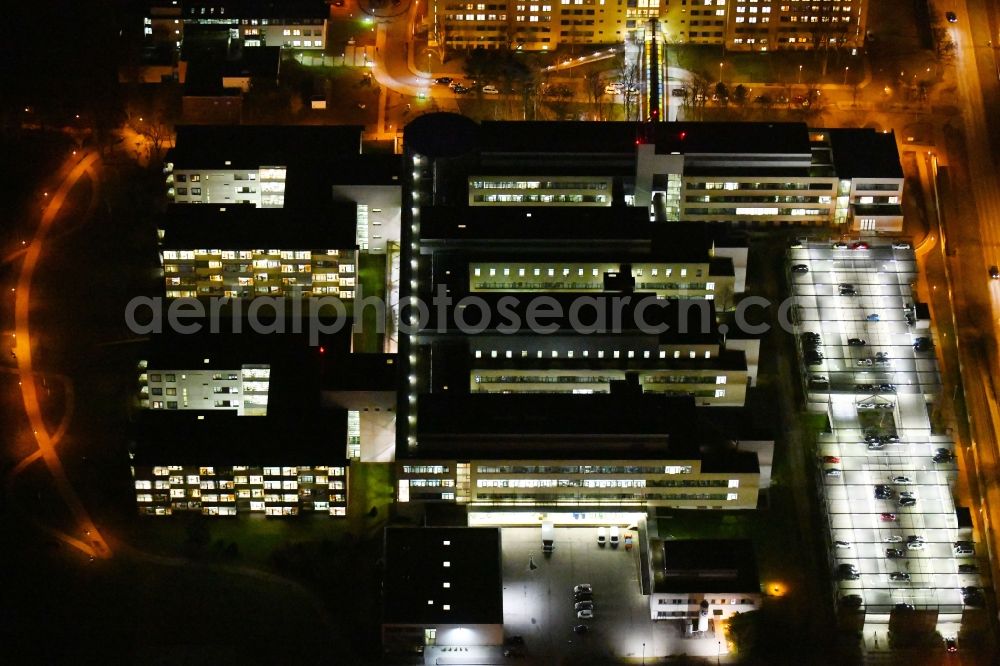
<point x="369" y="169"/>
<point x="865" y="153"/>
<point x="243" y="226"/>
<point x="707" y="565"/>
<point x="559" y="136"/>
<point x="360" y="372"/>
<point x="234" y="9"/>
<point x="416" y="575"/>
<point x="253" y="146"/>
<point x="691" y="138"/>
<point x="216" y="437"/>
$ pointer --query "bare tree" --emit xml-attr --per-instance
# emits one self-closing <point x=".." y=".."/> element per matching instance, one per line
<point x="628" y="77"/>
<point x="594" y="84"/>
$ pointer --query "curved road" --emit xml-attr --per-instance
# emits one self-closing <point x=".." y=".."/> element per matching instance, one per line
<point x="92" y="543"/>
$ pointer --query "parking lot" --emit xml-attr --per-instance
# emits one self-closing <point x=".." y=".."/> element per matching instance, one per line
<point x="864" y="364"/>
<point x="538" y="601"/>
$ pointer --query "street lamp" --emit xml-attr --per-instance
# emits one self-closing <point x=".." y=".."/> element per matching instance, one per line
<point x="644" y="654"/>
<point x="800" y="73"/>
<point x="720" y="72"/>
<point x="846" y="69"/>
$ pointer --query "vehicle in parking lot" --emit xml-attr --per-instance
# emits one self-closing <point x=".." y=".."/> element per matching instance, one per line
<point x="848" y="572"/>
<point x="585" y="614"/>
<point x="583" y="587"/>
<point x="968" y="569"/>
<point x="893" y="553"/>
<point x="860" y="245"/>
<point x="951" y="645"/>
<point x="867" y="361"/>
<point x="883" y="491"/>
<point x="874" y="446"/>
<point x="831" y="471"/>
<point x="901" y="246"/>
<point x="461" y="90"/>
<point x="839" y="245"/>
<point x="899" y="576"/>
<point x="584" y="605"/>
<point x="995" y="272"/>
<point x="831" y="459"/>
<point x="581" y="629"/>
<point x="856" y="342"/>
<point x="842" y="544"/>
<point x="490" y="90"/>
<point x="887" y="388"/>
<point x="900" y="479"/>
<point x="443" y="80"/>
<point x="872" y="317"/>
<point x="602" y="536"/>
<point x="907" y="501"/>
<point x="895" y="538"/>
<point x="951" y="17"/>
<point x="615" y="537"/>
<point x="942" y="455"/>
<point x="800" y="268"/>
<point x="852" y="600"/>
<point x="972" y="596"/>
<point x="904" y="607"/>
<point x="923" y="344"/>
<point x="963" y="548"/>
<point x="887" y="517"/>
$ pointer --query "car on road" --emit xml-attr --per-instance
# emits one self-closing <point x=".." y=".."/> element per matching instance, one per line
<point x="904" y="607"/>
<point x="951" y="17"/>
<point x="899" y="576"/>
<point x="900" y="479"/>
<point x="832" y="471"/>
<point x="443" y="80"/>
<point x="893" y="553"/>
<point x="895" y="538"/>
<point x="831" y="459"/>
<point x="856" y="342"/>
<point x="490" y="90"/>
<point x="995" y="272"/>
<point x="839" y="245"/>
<point x="584" y="605"/>
<point x="901" y="246"/>
<point x="580" y="629"/>
<point x="585" y="614"/>
<point x="800" y="268"/>
<point x="860" y="245"/>
<point x="887" y="517"/>
<point x="461" y="90"/>
<point x="950" y="645"/>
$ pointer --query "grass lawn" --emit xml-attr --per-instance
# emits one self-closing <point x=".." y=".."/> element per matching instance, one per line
<point x="775" y="67"/>
<point x="371" y="486"/>
<point x="371" y="277"/>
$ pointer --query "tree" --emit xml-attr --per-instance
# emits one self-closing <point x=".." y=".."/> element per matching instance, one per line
<point x="628" y="77"/>
<point x="559" y="97"/>
<point x="740" y="93"/>
<point x="594" y="84"/>
<point x="743" y="630"/>
<point x="722" y="92"/>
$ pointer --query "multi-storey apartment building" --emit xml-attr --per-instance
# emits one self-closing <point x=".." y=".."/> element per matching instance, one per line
<point x="218" y="463"/>
<point x="239" y="251"/>
<point x="758" y="25"/>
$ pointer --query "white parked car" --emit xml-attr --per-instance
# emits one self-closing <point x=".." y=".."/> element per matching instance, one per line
<point x="585" y="614"/>
<point x="842" y="544"/>
<point x="490" y="90"/>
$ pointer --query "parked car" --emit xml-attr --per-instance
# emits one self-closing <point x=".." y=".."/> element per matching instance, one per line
<point x="461" y="90"/>
<point x="865" y="362"/>
<point x="839" y="245"/>
<point x="942" y="456"/>
<point x="951" y="17"/>
<point x="585" y="614"/>
<point x="581" y="629"/>
<point x="852" y="600"/>
<point x="968" y="569"/>
<point x="602" y="536"/>
<point x="899" y="576"/>
<point x="583" y="587"/>
<point x="679" y="92"/>
<point x="831" y="459"/>
<point x="800" y="268"/>
<point x="443" y="80"/>
<point x="584" y="605"/>
<point x="963" y="548"/>
<point x="894" y="538"/>
<point x="972" y="596"/>
<point x="490" y="90"/>
<point x="860" y="245"/>
<point x="856" y="342"/>
<point x="887" y="517"/>
<point x="883" y="492"/>
<point x="612" y="90"/>
<point x="875" y="446"/>
<point x="615" y="538"/>
<point x="923" y="344"/>
<point x="832" y="471"/>
<point x="901" y="245"/>
<point x="907" y="501"/>
<point x="951" y="644"/>
<point x="893" y="553"/>
<point x="904" y="607"/>
<point x="848" y="572"/>
<point x="842" y="544"/>
<point x="900" y="479"/>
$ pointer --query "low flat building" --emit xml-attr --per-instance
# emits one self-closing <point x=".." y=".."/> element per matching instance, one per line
<point x="696" y="580"/>
<point x="443" y="586"/>
<point x="217" y="463"/>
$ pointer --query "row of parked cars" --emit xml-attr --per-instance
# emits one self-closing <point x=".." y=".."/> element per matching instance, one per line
<point x="583" y="604"/>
